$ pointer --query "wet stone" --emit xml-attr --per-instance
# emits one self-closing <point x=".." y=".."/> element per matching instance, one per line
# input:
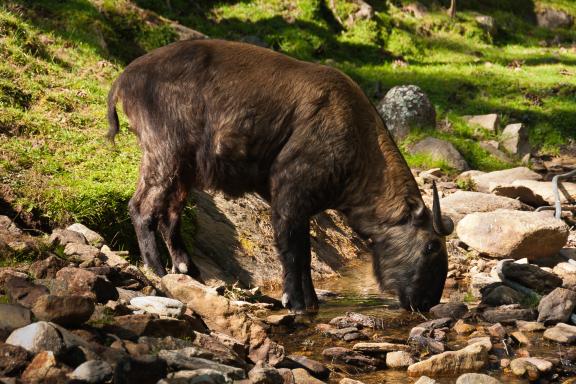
<point x="378" y="348"/>
<point x="350" y="357"/>
<point x="520" y="338"/>
<point x="497" y="331"/>
<point x="285" y="319"/>
<point x="476" y="378"/>
<point x="530" y="326"/>
<point x="561" y="333"/>
<point x="399" y="359"/>
<point x="185" y="360"/>
<point x="315" y="368"/>
<point x="301" y="376"/>
<point x="421" y="343"/>
<point x="462" y="328"/>
<point x="453" y="310"/>
<point x="506" y="315"/>
<point x="200" y="376"/>
<point x="524" y="366"/>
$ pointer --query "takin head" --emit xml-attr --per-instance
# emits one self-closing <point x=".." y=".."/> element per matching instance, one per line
<point x="410" y="258"/>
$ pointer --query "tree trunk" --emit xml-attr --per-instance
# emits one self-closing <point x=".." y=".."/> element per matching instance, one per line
<point x="452" y="10"/>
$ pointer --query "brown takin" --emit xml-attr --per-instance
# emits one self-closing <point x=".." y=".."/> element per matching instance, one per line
<point x="219" y="115"/>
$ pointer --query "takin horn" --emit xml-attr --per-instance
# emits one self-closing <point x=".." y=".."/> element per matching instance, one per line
<point x="443" y="226"/>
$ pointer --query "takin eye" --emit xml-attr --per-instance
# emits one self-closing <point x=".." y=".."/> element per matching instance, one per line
<point x="433" y="247"/>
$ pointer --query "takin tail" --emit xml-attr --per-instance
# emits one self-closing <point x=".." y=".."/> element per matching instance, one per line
<point x="113" y="122"/>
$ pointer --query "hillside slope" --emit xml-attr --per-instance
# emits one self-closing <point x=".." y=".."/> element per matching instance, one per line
<point x="57" y="60"/>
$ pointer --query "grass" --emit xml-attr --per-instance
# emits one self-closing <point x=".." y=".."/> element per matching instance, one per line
<point x="57" y="60"/>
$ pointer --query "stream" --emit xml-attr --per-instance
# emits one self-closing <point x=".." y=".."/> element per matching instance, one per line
<point x="357" y="291"/>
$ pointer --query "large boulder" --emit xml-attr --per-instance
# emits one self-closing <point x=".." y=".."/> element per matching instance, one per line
<point x="512" y="234"/>
<point x="440" y="150"/>
<point x="530" y="276"/>
<point x="543" y="190"/>
<point x="553" y="18"/>
<point x="557" y="306"/>
<point x="471" y="358"/>
<point x="406" y="107"/>
<point x="461" y="203"/>
<point x="484" y="181"/>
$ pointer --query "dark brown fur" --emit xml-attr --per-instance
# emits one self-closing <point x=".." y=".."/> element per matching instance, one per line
<point x="226" y="116"/>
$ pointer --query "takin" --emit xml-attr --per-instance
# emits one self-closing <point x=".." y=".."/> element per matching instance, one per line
<point x="219" y="115"/>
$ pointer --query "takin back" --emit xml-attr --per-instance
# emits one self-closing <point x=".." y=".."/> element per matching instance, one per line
<point x="219" y="115"/>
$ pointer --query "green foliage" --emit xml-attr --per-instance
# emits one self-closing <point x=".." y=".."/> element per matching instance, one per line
<point x="466" y="184"/>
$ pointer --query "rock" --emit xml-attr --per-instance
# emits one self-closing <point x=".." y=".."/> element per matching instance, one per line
<point x="222" y="316"/>
<point x="379" y="348"/>
<point x="184" y="359"/>
<point x="93" y="372"/>
<point x="440" y="150"/>
<point x="552" y="18"/>
<point x="112" y="258"/>
<point x="507" y="176"/>
<point x="350" y="357"/>
<point x="513" y="234"/>
<point x="399" y="359"/>
<point x="350" y="333"/>
<point x="453" y="310"/>
<point x="518" y="192"/>
<point x="479" y="281"/>
<point x="491" y="147"/>
<point x="68" y="311"/>
<point x="315" y="368"/>
<point x="521" y="365"/>
<point x="13" y="359"/>
<point x="462" y="328"/>
<point x="8" y="225"/>
<point x="41" y="368"/>
<point x="349" y="381"/>
<point x="520" y="338"/>
<point x="416" y="9"/>
<point x="461" y="203"/>
<point x="161" y="306"/>
<point x="502" y="295"/>
<point x="23" y="291"/>
<point x="37" y="337"/>
<point x="81" y="252"/>
<point x="531" y="276"/>
<point x="530" y="326"/>
<point x="567" y="271"/>
<point x="200" y="376"/>
<point x="47" y="268"/>
<point x="285" y="319"/>
<point x="476" y="378"/>
<point x="543" y="190"/>
<point x="65" y="236"/>
<point x="405" y="107"/>
<point x="561" y="333"/>
<point x="557" y="306"/>
<point x="426" y="344"/>
<point x="514" y="139"/>
<point x="92" y="237"/>
<point x="142" y="370"/>
<point x="489" y="122"/>
<point x="497" y="331"/>
<point x="264" y="375"/>
<point x="133" y="326"/>
<point x="426" y="380"/>
<point x="471" y="358"/>
<point x="13" y="316"/>
<point x="506" y="315"/>
<point x="301" y="376"/>
<point x="358" y="320"/>
<point x="486" y="23"/>
<point x="85" y="283"/>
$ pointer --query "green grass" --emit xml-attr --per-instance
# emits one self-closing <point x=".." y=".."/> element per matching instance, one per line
<point x="58" y="58"/>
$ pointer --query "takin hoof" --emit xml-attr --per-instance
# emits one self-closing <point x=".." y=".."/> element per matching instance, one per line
<point x="293" y="305"/>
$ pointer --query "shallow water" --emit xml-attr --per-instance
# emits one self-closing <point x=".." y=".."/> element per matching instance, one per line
<point x="358" y="292"/>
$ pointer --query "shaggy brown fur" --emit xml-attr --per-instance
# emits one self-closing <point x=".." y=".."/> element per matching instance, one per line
<point x="226" y="116"/>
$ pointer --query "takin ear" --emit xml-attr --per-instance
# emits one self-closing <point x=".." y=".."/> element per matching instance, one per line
<point x="417" y="208"/>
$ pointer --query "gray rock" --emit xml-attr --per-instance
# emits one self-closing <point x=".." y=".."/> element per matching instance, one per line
<point x="513" y="234"/>
<point x="92" y="237"/>
<point x="530" y="326"/>
<point x="13" y="359"/>
<point x="514" y="139"/>
<point x="485" y="180"/>
<point x="462" y="203"/>
<point x="37" y="337"/>
<point x="185" y="360"/>
<point x="561" y="333"/>
<point x="440" y="150"/>
<point x="162" y="306"/>
<point x="519" y="366"/>
<point x="557" y="306"/>
<point x="453" y="310"/>
<point x="264" y="375"/>
<point x="531" y="276"/>
<point x="14" y="316"/>
<point x="64" y="310"/>
<point x="506" y="315"/>
<point x="553" y="18"/>
<point x="476" y="378"/>
<point x="399" y="359"/>
<point x="566" y="271"/>
<point x="65" y="236"/>
<point x="479" y="281"/>
<point x="406" y="107"/>
<point x="489" y="122"/>
<point x="502" y="295"/>
<point x="339" y="355"/>
<point x="112" y="258"/>
<point x="379" y="348"/>
<point x="93" y="372"/>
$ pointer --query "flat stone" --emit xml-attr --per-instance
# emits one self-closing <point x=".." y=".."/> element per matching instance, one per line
<point x="471" y="358"/>
<point x="353" y="358"/>
<point x="557" y="306"/>
<point x="13" y="359"/>
<point x="399" y="359"/>
<point x="520" y="338"/>
<point x="484" y="181"/>
<point x="92" y="237"/>
<point x="13" y="316"/>
<point x="133" y="326"/>
<point x="440" y="150"/>
<point x="518" y="192"/>
<point x="301" y="376"/>
<point x="315" y="368"/>
<point x="561" y="333"/>
<point x="453" y="310"/>
<point x="93" y="372"/>
<point x="425" y="380"/>
<point x="490" y="121"/>
<point x="476" y="378"/>
<point x="513" y="234"/>
<point x="64" y="310"/>
<point x="284" y="319"/>
<point x="529" y="326"/>
<point x="531" y="276"/>
<point x="508" y="315"/>
<point x="544" y="190"/>
<point x="377" y="348"/>
<point x="201" y="376"/>
<point x="264" y="375"/>
<point x="112" y="258"/>
<point x="497" y="331"/>
<point x="461" y="203"/>
<point x="462" y="328"/>
<point x="185" y="360"/>
<point x="162" y="306"/>
<point x="519" y="366"/>
<point x="567" y="272"/>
